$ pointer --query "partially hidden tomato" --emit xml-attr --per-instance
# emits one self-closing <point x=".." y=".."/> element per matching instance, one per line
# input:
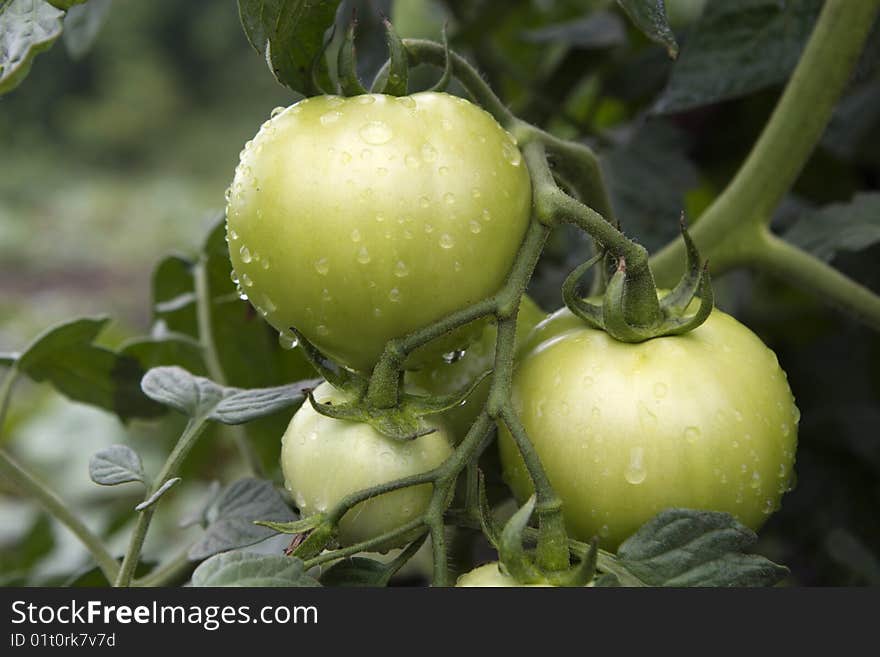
<point x="490" y="575"/>
<point x="324" y="459"/>
<point x="446" y="378"/>
<point x="705" y="420"/>
<point x="357" y="220"/>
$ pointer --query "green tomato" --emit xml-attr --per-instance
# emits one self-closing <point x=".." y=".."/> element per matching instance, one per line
<point x="705" y="420"/>
<point x="357" y="220"/>
<point x="490" y="575"/>
<point x="447" y="378"/>
<point x="324" y="460"/>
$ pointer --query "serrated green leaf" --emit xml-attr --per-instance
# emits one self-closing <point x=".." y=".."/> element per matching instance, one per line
<point x="27" y="28"/>
<point x="356" y="571"/>
<point x="650" y="17"/>
<point x="231" y="517"/>
<point x="601" y="29"/>
<point x="248" y="569"/>
<point x="82" y="25"/>
<point x="65" y="357"/>
<point x="684" y="547"/>
<point x="258" y="19"/>
<point x="117" y="464"/>
<point x="738" y="48"/>
<point x="852" y="226"/>
<point x="201" y="398"/>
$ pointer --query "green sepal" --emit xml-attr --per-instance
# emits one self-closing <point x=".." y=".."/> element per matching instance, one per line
<point x="295" y="526"/>
<point x="337" y="376"/>
<point x="443" y="83"/>
<point x="349" y="83"/>
<point x="591" y="313"/>
<point x="397" y="81"/>
<point x="513" y="556"/>
<point x="487" y="519"/>
<point x="315" y="541"/>
<point x="318" y="68"/>
<point x="683" y="293"/>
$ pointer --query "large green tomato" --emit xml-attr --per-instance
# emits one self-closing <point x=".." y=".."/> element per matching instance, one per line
<point x="446" y="378"/>
<point x="324" y="460"/>
<point x="357" y="220"/>
<point x="704" y="420"/>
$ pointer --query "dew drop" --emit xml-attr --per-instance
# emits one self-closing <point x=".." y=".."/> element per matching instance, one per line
<point x="587" y="381"/>
<point x="394" y="295"/>
<point x="692" y="434"/>
<point x="429" y="153"/>
<point x="424" y="201"/>
<point x="232" y="234"/>
<point x="322" y="266"/>
<point x="604" y="531"/>
<point x="511" y="154"/>
<point x="345" y="157"/>
<point x="476" y="193"/>
<point x="429" y="228"/>
<point x="449" y="198"/>
<point x="443" y="171"/>
<point x="401" y="270"/>
<point x="453" y="356"/>
<point x="382" y="171"/>
<point x="487" y="216"/>
<point x="412" y="161"/>
<point x="635" y="471"/>
<point x="329" y="118"/>
<point x="366" y="99"/>
<point x="265" y="264"/>
<point x="660" y="390"/>
<point x="322" y="330"/>
<point x="275" y="112"/>
<point x="755" y="483"/>
<point x="287" y="341"/>
<point x="475" y="226"/>
<point x="406" y="101"/>
<point x="796" y="415"/>
<point x="233" y="276"/>
<point x="457" y="266"/>
<point x="245" y="254"/>
<point x="363" y="255"/>
<point x="355" y="235"/>
<point x="375" y="132"/>
<point x="246" y="280"/>
<point x="447" y="241"/>
<point x="377" y="312"/>
<point x="785" y="429"/>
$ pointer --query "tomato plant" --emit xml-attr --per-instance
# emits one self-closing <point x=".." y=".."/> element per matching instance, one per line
<point x="705" y="420"/>
<point x="324" y="460"/>
<point x="429" y="206"/>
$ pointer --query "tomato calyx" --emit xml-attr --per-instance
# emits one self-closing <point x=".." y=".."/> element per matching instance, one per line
<point x="613" y="314"/>
<point x="309" y="536"/>
<point x="404" y="421"/>
<point x="522" y="565"/>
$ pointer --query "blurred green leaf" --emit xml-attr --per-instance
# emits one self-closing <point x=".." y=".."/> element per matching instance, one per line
<point x="248" y="569"/>
<point x="66" y="358"/>
<point x="19" y="559"/>
<point x="171" y="349"/>
<point x="683" y="547"/>
<point x="27" y="28"/>
<point x="737" y="48"/>
<point x="650" y="17"/>
<point x="849" y="226"/>
<point x="82" y="25"/>
<point x="117" y="464"/>
<point x="231" y="517"/>
<point x="601" y="29"/>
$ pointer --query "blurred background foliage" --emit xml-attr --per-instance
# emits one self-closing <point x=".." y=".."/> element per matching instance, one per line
<point x="113" y="157"/>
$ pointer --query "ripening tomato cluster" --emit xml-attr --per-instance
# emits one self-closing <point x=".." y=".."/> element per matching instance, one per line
<point x="357" y="220"/>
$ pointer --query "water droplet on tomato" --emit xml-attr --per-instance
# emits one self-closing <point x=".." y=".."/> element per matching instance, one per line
<point x="246" y="280"/>
<point x="635" y="471"/>
<point x="287" y="341"/>
<point x="692" y="434"/>
<point x="322" y="266"/>
<point x="366" y="99"/>
<point x="363" y="256"/>
<point x="443" y="171"/>
<point x="322" y="330"/>
<point x="406" y="101"/>
<point x="447" y="241"/>
<point x="329" y="118"/>
<point x="511" y="154"/>
<point x="449" y="198"/>
<point x="245" y="254"/>
<point x="375" y="132"/>
<point x="412" y="161"/>
<point x="401" y="270"/>
<point x="475" y="226"/>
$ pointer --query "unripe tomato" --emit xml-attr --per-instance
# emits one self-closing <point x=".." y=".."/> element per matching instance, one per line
<point x="324" y="459"/>
<point x="490" y="575"/>
<point x="705" y="420"/>
<point x="357" y="220"/>
<point x="447" y="378"/>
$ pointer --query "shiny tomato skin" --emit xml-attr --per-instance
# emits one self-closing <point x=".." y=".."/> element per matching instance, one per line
<point x="361" y="219"/>
<point x="705" y="420"/>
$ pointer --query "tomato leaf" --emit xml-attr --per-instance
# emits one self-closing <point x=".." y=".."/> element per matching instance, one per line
<point x="117" y="464"/>
<point x="852" y="226"/>
<point x="356" y="571"/>
<point x="231" y="517"/>
<point x="288" y="34"/>
<point x="650" y="17"/>
<point x="201" y="398"/>
<point x="65" y="357"/>
<point x="27" y="28"/>
<point x="82" y="25"/>
<point x="248" y="569"/>
<point x="738" y="48"/>
<point x="683" y="547"/>
<point x="170" y="349"/>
